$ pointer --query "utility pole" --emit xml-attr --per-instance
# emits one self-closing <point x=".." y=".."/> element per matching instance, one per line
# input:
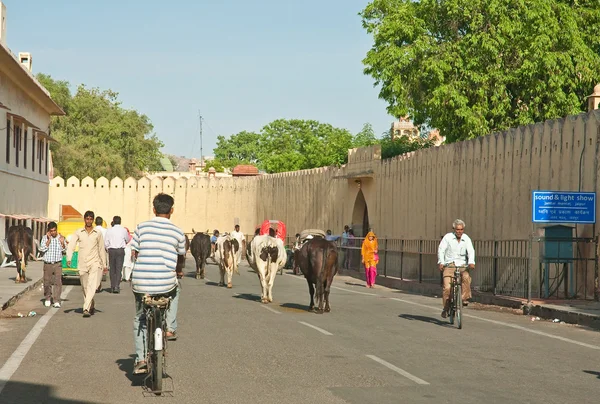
<point x="201" y="155"/>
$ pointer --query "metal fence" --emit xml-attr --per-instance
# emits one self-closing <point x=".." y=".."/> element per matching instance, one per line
<point x="518" y="268"/>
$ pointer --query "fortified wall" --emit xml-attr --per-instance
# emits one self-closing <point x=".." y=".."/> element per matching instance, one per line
<point x="485" y="181"/>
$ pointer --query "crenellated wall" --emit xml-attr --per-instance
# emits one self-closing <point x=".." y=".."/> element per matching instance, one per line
<point x="486" y="181"/>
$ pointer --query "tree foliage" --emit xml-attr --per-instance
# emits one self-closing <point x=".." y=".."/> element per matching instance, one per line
<point x="472" y="67"/>
<point x="366" y="137"/>
<point x="98" y="137"/>
<point x="286" y="145"/>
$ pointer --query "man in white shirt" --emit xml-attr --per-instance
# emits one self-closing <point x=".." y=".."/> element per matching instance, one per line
<point x="116" y="240"/>
<point x="102" y="231"/>
<point x="456" y="250"/>
<point x="239" y="236"/>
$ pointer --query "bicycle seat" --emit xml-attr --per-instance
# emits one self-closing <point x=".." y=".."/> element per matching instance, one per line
<point x="160" y="301"/>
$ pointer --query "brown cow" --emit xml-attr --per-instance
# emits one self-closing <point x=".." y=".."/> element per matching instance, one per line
<point x="318" y="262"/>
<point x="20" y="244"/>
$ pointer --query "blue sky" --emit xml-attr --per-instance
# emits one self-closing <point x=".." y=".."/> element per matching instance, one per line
<point x="241" y="63"/>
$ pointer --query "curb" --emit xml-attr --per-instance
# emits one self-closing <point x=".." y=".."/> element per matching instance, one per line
<point x="433" y="290"/>
<point x="16" y="297"/>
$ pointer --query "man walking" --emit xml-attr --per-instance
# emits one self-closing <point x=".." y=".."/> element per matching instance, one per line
<point x="115" y="241"/>
<point x="239" y="236"/>
<point x="92" y="260"/>
<point x="102" y="230"/>
<point x="53" y="246"/>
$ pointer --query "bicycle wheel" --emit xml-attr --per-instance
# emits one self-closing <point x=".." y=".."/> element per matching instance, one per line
<point x="157" y="356"/>
<point x="459" y="306"/>
<point x="451" y="306"/>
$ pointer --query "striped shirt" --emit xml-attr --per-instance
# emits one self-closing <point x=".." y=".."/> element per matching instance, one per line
<point x="158" y="242"/>
<point x="53" y="252"/>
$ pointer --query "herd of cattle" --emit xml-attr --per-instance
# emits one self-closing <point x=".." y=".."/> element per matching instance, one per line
<point x="317" y="259"/>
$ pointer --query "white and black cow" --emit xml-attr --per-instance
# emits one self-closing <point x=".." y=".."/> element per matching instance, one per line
<point x="225" y="250"/>
<point x="266" y="255"/>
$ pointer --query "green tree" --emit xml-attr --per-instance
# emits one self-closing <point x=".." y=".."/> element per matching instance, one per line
<point x="401" y="145"/>
<point x="286" y="145"/>
<point x="98" y="137"/>
<point x="241" y="148"/>
<point x="366" y="137"/>
<point x="216" y="164"/>
<point x="470" y="68"/>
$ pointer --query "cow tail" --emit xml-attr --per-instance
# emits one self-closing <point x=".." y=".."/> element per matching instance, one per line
<point x="235" y="264"/>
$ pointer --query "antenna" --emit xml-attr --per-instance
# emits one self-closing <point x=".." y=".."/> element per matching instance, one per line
<point x="201" y="155"/>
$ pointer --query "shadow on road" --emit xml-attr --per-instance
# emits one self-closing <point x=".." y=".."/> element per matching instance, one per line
<point x="28" y="393"/>
<point x="362" y="285"/>
<point x="248" y="296"/>
<point x="211" y="283"/>
<point x="425" y="319"/>
<point x="126" y="366"/>
<point x="295" y="306"/>
<point x="592" y="372"/>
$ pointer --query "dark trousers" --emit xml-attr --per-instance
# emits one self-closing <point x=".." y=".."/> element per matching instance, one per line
<point x="116" y="256"/>
<point x="53" y="289"/>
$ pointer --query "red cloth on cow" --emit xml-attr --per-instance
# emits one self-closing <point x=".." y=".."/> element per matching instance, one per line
<point x="276" y="225"/>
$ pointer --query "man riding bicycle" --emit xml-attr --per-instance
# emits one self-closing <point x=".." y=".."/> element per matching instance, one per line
<point x="156" y="245"/>
<point x="456" y="250"/>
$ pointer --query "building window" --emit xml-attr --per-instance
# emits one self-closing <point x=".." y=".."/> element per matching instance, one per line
<point x="40" y="154"/>
<point x="8" y="129"/>
<point x="47" y="145"/>
<point x="33" y="152"/>
<point x="17" y="144"/>
<point x="25" y="149"/>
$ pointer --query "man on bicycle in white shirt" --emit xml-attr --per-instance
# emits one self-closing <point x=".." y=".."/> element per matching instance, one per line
<point x="456" y="250"/>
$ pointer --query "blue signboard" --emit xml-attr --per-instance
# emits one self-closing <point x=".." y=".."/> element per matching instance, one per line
<point x="564" y="207"/>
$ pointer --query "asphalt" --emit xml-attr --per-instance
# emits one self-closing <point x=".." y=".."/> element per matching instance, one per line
<point x="376" y="346"/>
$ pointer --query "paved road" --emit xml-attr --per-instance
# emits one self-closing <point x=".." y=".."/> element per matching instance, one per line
<point x="376" y="346"/>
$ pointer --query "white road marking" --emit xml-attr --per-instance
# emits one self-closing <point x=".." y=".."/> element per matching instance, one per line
<point x="398" y="370"/>
<point x="515" y="326"/>
<point x="270" y="309"/>
<point x="13" y="363"/>
<point x="322" y="331"/>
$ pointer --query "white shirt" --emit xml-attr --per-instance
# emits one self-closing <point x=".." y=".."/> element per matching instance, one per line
<point x="116" y="237"/>
<point x="101" y="230"/>
<point x="238" y="235"/>
<point x="452" y="250"/>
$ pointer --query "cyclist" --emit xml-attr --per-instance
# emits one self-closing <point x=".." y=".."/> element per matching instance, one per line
<point x="456" y="250"/>
<point x="156" y="245"/>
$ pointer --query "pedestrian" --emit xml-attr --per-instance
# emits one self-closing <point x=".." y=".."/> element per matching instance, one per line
<point x="345" y="250"/>
<point x="99" y="221"/>
<point x="239" y="236"/>
<point x="116" y="240"/>
<point x="349" y="249"/>
<point x="91" y="260"/>
<point x="156" y="244"/>
<point x="370" y="258"/>
<point x="53" y="246"/>
<point x="127" y="262"/>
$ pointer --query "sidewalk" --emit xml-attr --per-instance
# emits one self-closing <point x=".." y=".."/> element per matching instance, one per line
<point x="10" y="291"/>
<point x="581" y="312"/>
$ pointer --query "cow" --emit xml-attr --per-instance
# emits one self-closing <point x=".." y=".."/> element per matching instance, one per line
<point x="266" y="255"/>
<point x="225" y="251"/>
<point x="20" y="244"/>
<point x="200" y="248"/>
<point x="318" y="262"/>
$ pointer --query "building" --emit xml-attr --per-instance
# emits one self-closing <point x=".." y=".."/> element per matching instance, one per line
<point x="404" y="127"/>
<point x="25" y="112"/>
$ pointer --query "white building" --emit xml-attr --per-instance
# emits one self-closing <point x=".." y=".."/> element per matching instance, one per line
<point x="25" y="111"/>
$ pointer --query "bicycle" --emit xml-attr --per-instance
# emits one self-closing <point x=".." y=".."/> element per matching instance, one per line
<point x="155" y="309"/>
<point x="455" y="302"/>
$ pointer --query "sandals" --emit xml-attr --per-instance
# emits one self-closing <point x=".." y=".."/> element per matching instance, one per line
<point x="171" y="336"/>
<point x="140" y="368"/>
